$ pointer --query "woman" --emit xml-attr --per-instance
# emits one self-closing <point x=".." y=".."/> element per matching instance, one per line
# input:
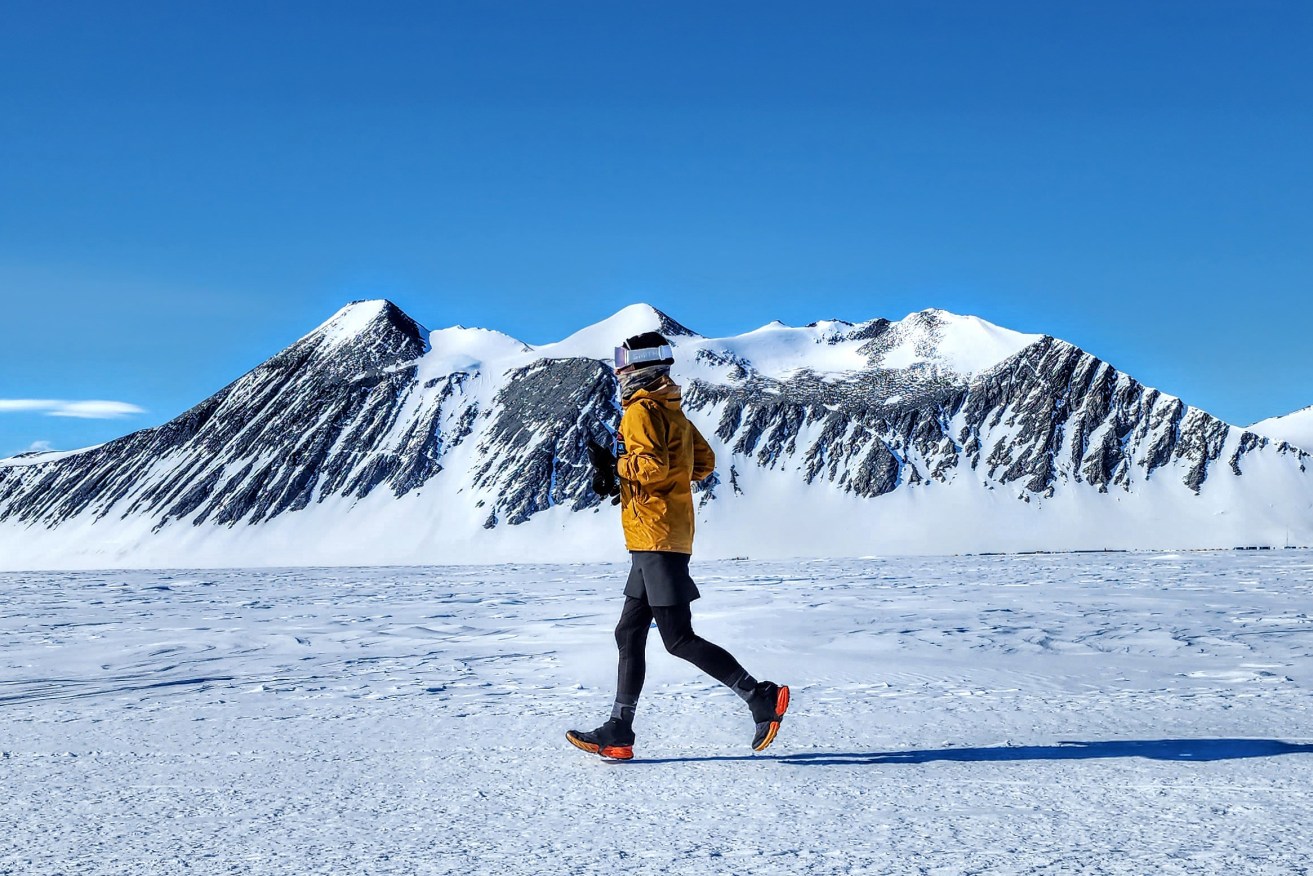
<point x="660" y="455"/>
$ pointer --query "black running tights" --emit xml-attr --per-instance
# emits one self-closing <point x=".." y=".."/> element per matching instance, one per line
<point x="675" y="623"/>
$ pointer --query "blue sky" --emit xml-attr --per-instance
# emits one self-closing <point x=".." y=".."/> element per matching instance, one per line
<point x="185" y="188"/>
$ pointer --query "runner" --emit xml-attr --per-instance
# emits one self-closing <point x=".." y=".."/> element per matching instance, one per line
<point x="661" y="454"/>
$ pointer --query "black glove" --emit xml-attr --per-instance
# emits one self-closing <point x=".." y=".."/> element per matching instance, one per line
<point x="605" y="480"/>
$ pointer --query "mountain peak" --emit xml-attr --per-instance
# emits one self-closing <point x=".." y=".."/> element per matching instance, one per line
<point x="598" y="340"/>
<point x="652" y="320"/>
<point x="965" y="345"/>
<point x="402" y="451"/>
<point x="369" y="318"/>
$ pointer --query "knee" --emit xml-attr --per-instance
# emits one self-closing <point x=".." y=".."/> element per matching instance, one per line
<point x="677" y="643"/>
<point x="627" y="637"/>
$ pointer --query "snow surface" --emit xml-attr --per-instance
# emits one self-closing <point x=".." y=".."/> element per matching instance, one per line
<point x="598" y="341"/>
<point x="965" y="345"/>
<point x="778" y="350"/>
<point x="350" y="321"/>
<point x="467" y="349"/>
<point x="821" y="520"/>
<point x="1094" y="713"/>
<point x="775" y="514"/>
<point x="1296" y="428"/>
<point x="37" y="457"/>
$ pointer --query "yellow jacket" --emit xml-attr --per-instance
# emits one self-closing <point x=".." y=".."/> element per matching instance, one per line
<point x="663" y="453"/>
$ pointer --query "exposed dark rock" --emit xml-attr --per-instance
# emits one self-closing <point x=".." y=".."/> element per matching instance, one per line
<point x="1248" y="442"/>
<point x="341" y="417"/>
<point x="534" y="454"/>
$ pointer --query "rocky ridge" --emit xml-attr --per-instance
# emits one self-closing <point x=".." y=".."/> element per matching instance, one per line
<point x="368" y="404"/>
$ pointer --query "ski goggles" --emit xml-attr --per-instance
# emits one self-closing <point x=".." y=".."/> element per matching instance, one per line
<point x="624" y="357"/>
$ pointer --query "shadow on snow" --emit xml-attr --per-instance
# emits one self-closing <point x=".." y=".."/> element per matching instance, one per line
<point x="1153" y="749"/>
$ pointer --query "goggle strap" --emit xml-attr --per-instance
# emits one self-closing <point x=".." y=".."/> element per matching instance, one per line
<point x="624" y="357"/>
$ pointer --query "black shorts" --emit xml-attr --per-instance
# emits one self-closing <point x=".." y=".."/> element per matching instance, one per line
<point x="661" y="577"/>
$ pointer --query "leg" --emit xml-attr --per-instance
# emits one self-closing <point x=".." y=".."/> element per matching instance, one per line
<point x="675" y="623"/>
<point x="615" y="738"/>
<point x="767" y="700"/>
<point x="631" y="640"/>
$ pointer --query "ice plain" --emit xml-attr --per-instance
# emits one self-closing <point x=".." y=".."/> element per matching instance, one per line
<point x="1092" y="713"/>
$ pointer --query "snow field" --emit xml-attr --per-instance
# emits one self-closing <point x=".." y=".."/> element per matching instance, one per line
<point x="1296" y="428"/>
<point x="1085" y="713"/>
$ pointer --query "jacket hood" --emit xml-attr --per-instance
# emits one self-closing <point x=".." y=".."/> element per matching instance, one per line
<point x="665" y="391"/>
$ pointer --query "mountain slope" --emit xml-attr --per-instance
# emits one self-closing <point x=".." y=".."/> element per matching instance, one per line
<point x="1296" y="428"/>
<point x="373" y="439"/>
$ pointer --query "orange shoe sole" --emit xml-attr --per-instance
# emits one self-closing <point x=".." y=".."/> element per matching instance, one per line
<point x="611" y="752"/>
<point x="781" y="706"/>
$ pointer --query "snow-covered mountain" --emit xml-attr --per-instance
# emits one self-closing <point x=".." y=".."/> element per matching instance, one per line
<point x="375" y="440"/>
<point x="1296" y="428"/>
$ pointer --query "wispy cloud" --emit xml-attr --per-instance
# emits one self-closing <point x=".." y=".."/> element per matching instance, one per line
<point x="39" y="447"/>
<point x="86" y="410"/>
<point x="23" y="405"/>
<point x="96" y="410"/>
